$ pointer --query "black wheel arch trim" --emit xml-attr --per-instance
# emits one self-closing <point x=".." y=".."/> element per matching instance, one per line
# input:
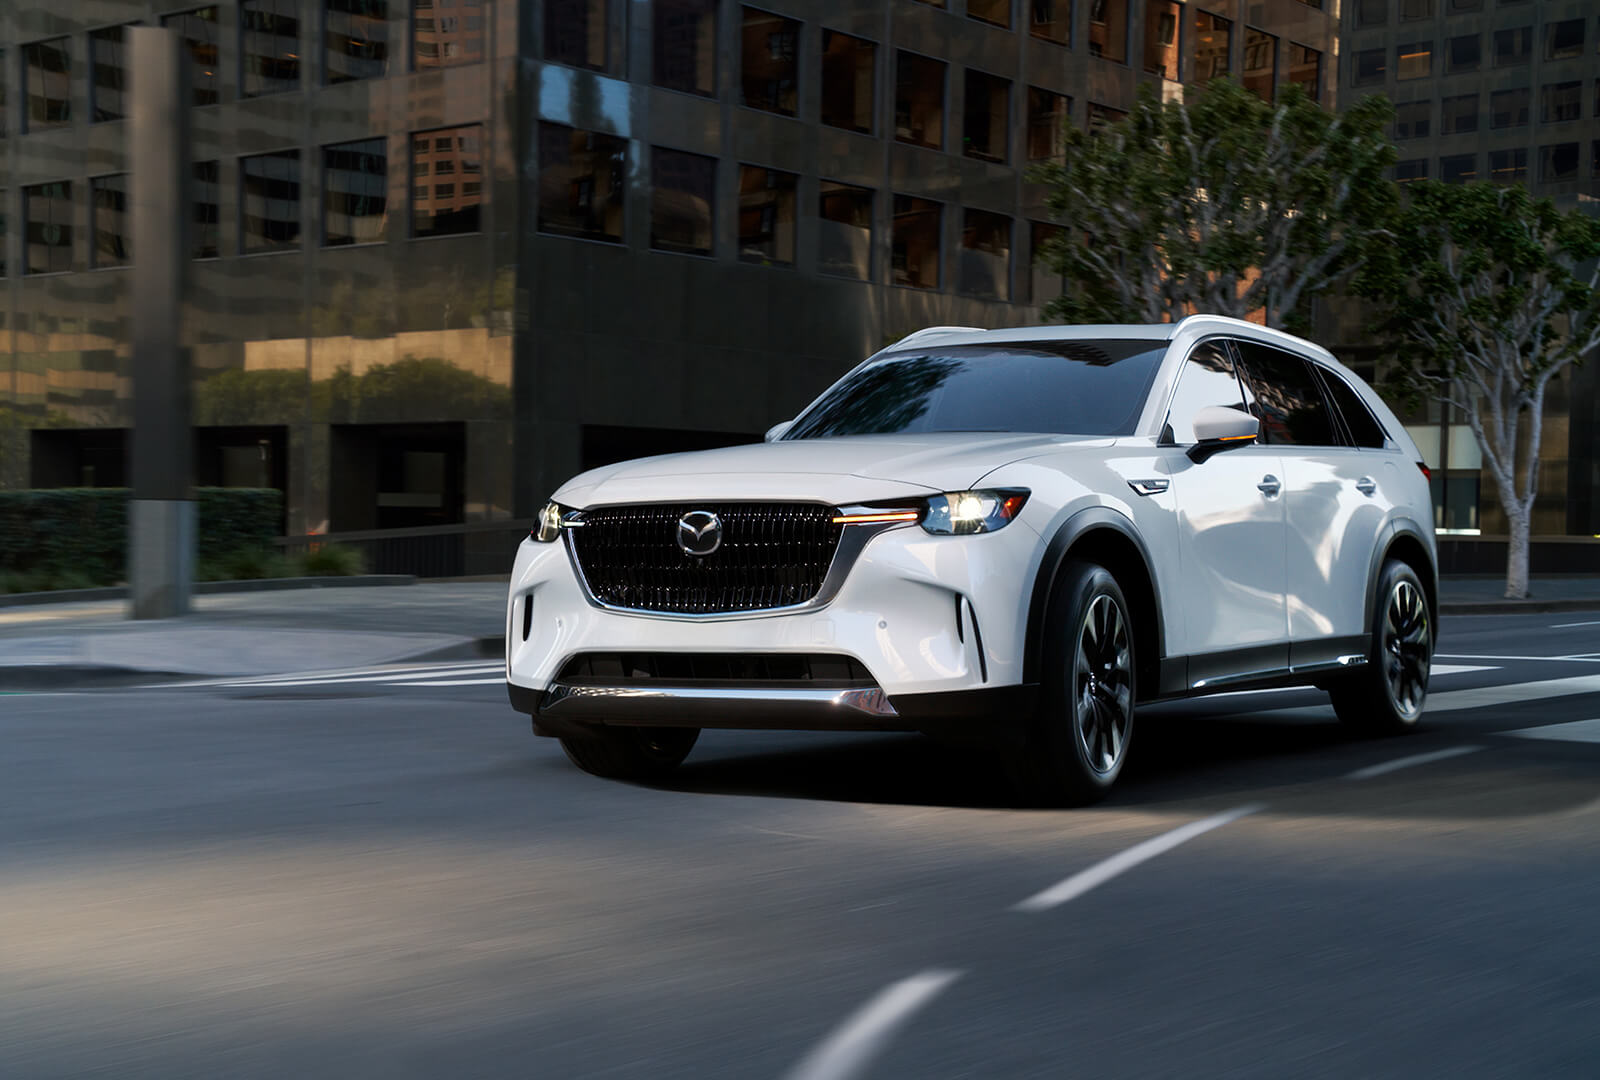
<point x="1056" y="553"/>
<point x="1398" y="529"/>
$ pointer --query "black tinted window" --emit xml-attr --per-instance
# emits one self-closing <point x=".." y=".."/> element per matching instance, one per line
<point x="1364" y="429"/>
<point x="1288" y="401"/>
<point x="1067" y="387"/>
<point x="1207" y="380"/>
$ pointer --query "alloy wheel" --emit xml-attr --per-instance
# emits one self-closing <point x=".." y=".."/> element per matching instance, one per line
<point x="1103" y="685"/>
<point x="1407" y="649"/>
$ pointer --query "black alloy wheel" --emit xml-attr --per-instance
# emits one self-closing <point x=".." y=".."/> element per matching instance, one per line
<point x="1386" y="695"/>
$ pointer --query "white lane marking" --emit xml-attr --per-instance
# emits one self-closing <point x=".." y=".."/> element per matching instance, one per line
<point x="1485" y="696"/>
<point x="1570" y="625"/>
<point x="1120" y="863"/>
<point x="501" y="681"/>
<point x="311" y="679"/>
<point x="1578" y="656"/>
<point x="1586" y="731"/>
<point x="1458" y="669"/>
<point x="1466" y="656"/>
<point x="1407" y="762"/>
<point x="854" y="1044"/>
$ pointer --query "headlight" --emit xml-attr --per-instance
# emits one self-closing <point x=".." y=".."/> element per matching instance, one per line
<point x="961" y="512"/>
<point x="552" y="519"/>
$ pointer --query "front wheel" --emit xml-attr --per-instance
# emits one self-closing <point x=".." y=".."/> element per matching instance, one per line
<point x="1081" y="735"/>
<point x="1387" y="694"/>
<point x="630" y="753"/>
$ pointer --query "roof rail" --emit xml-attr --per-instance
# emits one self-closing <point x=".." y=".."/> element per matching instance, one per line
<point x="934" y="331"/>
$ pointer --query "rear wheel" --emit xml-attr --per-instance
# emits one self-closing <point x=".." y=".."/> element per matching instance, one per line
<point x="1081" y="735"/>
<point x="630" y="753"/>
<point x="1386" y="695"/>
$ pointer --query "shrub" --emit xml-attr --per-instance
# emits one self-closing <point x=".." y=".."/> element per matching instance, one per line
<point x="332" y="560"/>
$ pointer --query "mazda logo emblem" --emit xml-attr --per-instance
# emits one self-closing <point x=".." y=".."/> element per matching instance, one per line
<point x="699" y="533"/>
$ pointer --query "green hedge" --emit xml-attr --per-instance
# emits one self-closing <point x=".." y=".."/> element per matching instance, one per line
<point x="81" y="534"/>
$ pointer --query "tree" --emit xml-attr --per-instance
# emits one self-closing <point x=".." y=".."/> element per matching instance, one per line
<point x="1485" y="295"/>
<point x="1221" y="203"/>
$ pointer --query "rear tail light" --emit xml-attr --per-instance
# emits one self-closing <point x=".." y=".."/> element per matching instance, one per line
<point x="1426" y="472"/>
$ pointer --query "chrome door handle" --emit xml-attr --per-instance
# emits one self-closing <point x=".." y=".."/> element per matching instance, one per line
<point x="1366" y="485"/>
<point x="1269" y="486"/>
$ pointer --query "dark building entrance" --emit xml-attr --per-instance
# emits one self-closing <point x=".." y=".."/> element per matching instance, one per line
<point x="396" y="476"/>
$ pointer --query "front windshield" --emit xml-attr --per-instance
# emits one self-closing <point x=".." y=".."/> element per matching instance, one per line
<point x="1052" y="387"/>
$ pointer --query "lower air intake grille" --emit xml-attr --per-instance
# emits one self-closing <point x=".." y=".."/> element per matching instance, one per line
<point x="772" y="555"/>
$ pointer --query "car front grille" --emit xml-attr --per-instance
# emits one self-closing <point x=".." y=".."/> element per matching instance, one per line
<point x="773" y="555"/>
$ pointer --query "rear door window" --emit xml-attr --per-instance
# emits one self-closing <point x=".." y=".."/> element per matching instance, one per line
<point x="1362" y="426"/>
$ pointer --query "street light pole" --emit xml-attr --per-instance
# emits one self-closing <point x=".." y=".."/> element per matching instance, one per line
<point x="161" y="513"/>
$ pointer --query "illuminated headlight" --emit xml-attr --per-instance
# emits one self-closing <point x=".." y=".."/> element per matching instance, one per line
<point x="962" y="512"/>
<point x="552" y="519"/>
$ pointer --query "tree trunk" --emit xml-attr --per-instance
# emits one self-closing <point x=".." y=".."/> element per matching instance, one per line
<point x="1517" y="553"/>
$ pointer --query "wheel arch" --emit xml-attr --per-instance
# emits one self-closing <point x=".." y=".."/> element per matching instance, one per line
<point x="1103" y="536"/>
<point x="1406" y="544"/>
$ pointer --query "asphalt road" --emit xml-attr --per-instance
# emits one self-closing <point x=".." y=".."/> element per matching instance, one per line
<point x="325" y="877"/>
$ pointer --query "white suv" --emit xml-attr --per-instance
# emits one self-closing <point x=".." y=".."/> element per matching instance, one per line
<point x="1009" y="535"/>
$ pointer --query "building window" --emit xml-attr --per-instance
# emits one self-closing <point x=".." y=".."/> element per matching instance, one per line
<point x="1508" y="108"/>
<point x="207" y="236"/>
<point x="1458" y="168"/>
<point x="985" y="266"/>
<point x="1051" y="20"/>
<point x="1594" y="174"/>
<point x="108" y="62"/>
<point x="683" y="190"/>
<point x="3" y="194"/>
<point x="770" y="64"/>
<point x="355" y="192"/>
<point x="993" y="12"/>
<point x="269" y="46"/>
<point x="1372" y="12"/>
<point x="270" y="192"/>
<point x="1559" y="102"/>
<point x="1415" y="9"/>
<point x="1048" y="114"/>
<point x="49" y="84"/>
<point x="1406" y="172"/>
<point x="1558" y="164"/>
<point x="47" y="209"/>
<point x="1213" y="46"/>
<point x="1260" y="63"/>
<point x="575" y="33"/>
<point x="443" y="35"/>
<point x="844" y="231"/>
<point x="1413" y="61"/>
<point x="919" y="100"/>
<point x="847" y="76"/>
<point x="4" y="79"/>
<point x="198" y="28"/>
<point x="1459" y="115"/>
<point x="1101" y="117"/>
<point x="686" y="46"/>
<point x="1463" y="53"/>
<point x="581" y="181"/>
<point x="1305" y="69"/>
<point x="914" y="242"/>
<point x="1411" y="120"/>
<point x="1563" y="40"/>
<point x="1161" y="19"/>
<point x="1108" y="30"/>
<point x="1512" y="47"/>
<point x="109" y="198"/>
<point x="1462" y="7"/>
<point x="1508" y="166"/>
<point x="1044" y="284"/>
<point x="1371" y="66"/>
<point x="766" y="216"/>
<point x="356" y="43"/>
<point x="985" y="127"/>
<point x="448" y="152"/>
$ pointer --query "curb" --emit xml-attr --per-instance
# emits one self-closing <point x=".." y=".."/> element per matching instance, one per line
<point x="1517" y="607"/>
<point x="207" y="588"/>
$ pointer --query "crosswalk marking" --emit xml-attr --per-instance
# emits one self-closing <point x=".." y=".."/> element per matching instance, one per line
<point x="1584" y="731"/>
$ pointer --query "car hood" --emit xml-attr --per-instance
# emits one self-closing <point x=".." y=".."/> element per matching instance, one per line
<point x="840" y="470"/>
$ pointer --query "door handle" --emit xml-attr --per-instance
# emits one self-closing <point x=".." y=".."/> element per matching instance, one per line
<point x="1366" y="485"/>
<point x="1269" y="486"/>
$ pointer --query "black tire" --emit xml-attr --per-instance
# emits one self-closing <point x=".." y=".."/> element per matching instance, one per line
<point x="1080" y="738"/>
<point x="1387" y="694"/>
<point x="630" y="753"/>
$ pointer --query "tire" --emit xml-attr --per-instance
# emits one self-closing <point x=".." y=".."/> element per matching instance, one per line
<point x="1084" y="727"/>
<point x="630" y="753"/>
<point x="1387" y="694"/>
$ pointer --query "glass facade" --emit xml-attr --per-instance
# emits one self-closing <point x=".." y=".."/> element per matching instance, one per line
<point x="769" y="71"/>
<point x="447" y="181"/>
<point x="269" y="46"/>
<point x="198" y="29"/>
<point x="582" y="176"/>
<point x="355" y="40"/>
<point x="848" y="70"/>
<point x="269" y="217"/>
<point x="108" y="59"/>
<point x="48" y="211"/>
<point x="48" y="67"/>
<point x="767" y="215"/>
<point x="109" y="195"/>
<point x="355" y="192"/>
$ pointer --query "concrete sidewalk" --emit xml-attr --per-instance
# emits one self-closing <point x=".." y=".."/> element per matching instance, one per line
<point x="1486" y="595"/>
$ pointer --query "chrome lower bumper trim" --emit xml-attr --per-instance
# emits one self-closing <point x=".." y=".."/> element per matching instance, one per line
<point x="716" y="706"/>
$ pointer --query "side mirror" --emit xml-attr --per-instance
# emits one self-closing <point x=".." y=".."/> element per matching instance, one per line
<point x="1218" y="428"/>
<point x="776" y="431"/>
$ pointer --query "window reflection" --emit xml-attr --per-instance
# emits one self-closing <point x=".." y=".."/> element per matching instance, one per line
<point x="1559" y="102"/>
<point x="1108" y="30"/>
<point x="1103" y="116"/>
<point x="207" y="192"/>
<point x="769" y="67"/>
<point x="1459" y="114"/>
<point x="1563" y="40"/>
<point x="575" y="33"/>
<point x="108" y="58"/>
<point x="1048" y="114"/>
<point x="446" y="32"/>
<point x="270" y="201"/>
<point x="198" y="28"/>
<point x="914" y="242"/>
<point x="357" y="39"/>
<point x="1512" y="47"/>
<point x="985" y="266"/>
<point x="109" y="195"/>
<point x="919" y="100"/>
<point x="844" y="231"/>
<point x="270" y="38"/>
<point x="47" y="209"/>
<point x="49" y="84"/>
<point x="1051" y="20"/>
<point x="1558" y="164"/>
<point x="1464" y="53"/>
<point x="3" y="230"/>
<point x="1161" y="37"/>
<point x="985" y="120"/>
<point x="1213" y="46"/>
<point x="4" y="79"/>
<point x="994" y="12"/>
<point x="355" y="188"/>
<point x="1411" y="120"/>
<point x="1458" y="168"/>
<point x="1509" y="108"/>
<point x="1305" y="69"/>
<point x="686" y="46"/>
<point x="1260" y="63"/>
<point x="1406" y="172"/>
<point x="682" y="197"/>
<point x="766" y="215"/>
<point x="454" y="152"/>
<point x="847" y="74"/>
<point x="1508" y="166"/>
<point x="582" y="175"/>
